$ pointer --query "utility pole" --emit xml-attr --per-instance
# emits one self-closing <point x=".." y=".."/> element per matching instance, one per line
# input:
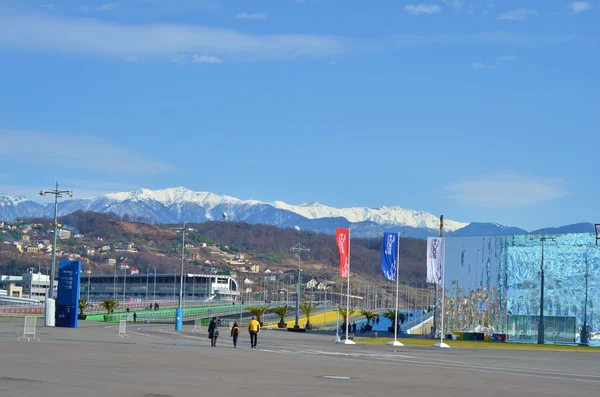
<point x="179" y="311"/>
<point x="541" y="324"/>
<point x="299" y="247"/>
<point x="49" y="313"/>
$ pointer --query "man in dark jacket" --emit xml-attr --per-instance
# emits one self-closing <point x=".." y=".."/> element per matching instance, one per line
<point x="213" y="331"/>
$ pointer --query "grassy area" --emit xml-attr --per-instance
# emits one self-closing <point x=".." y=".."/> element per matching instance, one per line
<point x="473" y="344"/>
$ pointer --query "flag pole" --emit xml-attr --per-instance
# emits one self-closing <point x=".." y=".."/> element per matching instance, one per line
<point x="395" y="342"/>
<point x="348" y="290"/>
<point x="348" y="341"/>
<point x="443" y="239"/>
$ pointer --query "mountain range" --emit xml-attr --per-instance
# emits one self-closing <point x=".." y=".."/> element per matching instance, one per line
<point x="176" y="205"/>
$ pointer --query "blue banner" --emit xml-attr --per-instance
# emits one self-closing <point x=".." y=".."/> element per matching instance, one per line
<point x="389" y="256"/>
<point x="67" y="299"/>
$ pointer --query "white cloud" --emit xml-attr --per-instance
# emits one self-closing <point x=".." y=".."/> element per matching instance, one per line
<point x="108" y="7"/>
<point x="205" y="59"/>
<point x="517" y="15"/>
<point x="454" y="3"/>
<point x="480" y="65"/>
<point x="420" y="9"/>
<point x="83" y="152"/>
<point x="245" y="15"/>
<point x="158" y="41"/>
<point x="580" y="6"/>
<point x="506" y="190"/>
<point x="508" y="58"/>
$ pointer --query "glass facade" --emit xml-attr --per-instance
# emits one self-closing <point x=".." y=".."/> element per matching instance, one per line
<point x="494" y="282"/>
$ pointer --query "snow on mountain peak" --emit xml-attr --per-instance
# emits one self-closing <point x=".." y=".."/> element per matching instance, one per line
<point x="6" y="199"/>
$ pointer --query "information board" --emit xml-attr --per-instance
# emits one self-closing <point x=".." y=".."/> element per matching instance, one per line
<point x="67" y="299"/>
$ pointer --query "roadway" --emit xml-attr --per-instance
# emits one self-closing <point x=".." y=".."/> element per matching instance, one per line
<point x="156" y="361"/>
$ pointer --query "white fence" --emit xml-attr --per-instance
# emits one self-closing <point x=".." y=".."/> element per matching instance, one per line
<point x="29" y="329"/>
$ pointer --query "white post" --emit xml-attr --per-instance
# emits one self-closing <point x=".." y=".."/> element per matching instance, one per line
<point x="395" y="342"/>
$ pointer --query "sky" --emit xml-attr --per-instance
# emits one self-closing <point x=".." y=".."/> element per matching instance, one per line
<point x="484" y="111"/>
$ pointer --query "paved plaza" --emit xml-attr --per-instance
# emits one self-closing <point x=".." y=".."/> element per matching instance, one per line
<point x="156" y="361"/>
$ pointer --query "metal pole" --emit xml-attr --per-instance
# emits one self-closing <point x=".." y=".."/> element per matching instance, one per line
<point x="299" y="247"/>
<point x="397" y="288"/>
<point x="348" y="290"/>
<point x="541" y="330"/>
<point x="182" y="259"/>
<point x="154" y="283"/>
<point x="115" y="281"/>
<point x="124" y="283"/>
<point x="89" y="285"/>
<point x="584" y="337"/>
<point x="147" y="277"/>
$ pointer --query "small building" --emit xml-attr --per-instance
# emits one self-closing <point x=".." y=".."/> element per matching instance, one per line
<point x="110" y="261"/>
<point x="64" y="234"/>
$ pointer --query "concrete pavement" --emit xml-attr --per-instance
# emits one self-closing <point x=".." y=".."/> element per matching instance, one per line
<point x="156" y="361"/>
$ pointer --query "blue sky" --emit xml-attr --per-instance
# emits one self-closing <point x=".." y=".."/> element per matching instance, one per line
<point x="480" y="110"/>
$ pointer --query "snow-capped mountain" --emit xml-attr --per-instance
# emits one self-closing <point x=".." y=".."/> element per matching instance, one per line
<point x="179" y="204"/>
<point x="176" y="205"/>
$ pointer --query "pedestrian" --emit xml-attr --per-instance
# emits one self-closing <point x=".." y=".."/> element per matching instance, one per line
<point x="253" y="330"/>
<point x="354" y="327"/>
<point x="377" y="320"/>
<point x="134" y="317"/>
<point x="213" y="331"/>
<point x="235" y="332"/>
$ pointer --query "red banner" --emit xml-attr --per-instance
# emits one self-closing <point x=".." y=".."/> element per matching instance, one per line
<point x="342" y="238"/>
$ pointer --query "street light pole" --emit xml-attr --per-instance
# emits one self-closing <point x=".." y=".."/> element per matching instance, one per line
<point x="541" y="325"/>
<point x="89" y="272"/>
<point x="49" y="313"/>
<point x="585" y="332"/>
<point x="299" y="247"/>
<point x="179" y="311"/>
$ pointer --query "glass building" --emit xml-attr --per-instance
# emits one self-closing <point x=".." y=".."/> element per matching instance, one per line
<point x="494" y="282"/>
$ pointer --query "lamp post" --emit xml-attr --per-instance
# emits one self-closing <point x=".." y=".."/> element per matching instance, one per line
<point x="585" y="332"/>
<point x="298" y="247"/>
<point x="49" y="313"/>
<point x="89" y="272"/>
<point x="179" y="311"/>
<point x="541" y="325"/>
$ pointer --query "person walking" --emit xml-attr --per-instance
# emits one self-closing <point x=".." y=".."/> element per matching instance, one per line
<point x="253" y="329"/>
<point x="213" y="331"/>
<point x="235" y="332"/>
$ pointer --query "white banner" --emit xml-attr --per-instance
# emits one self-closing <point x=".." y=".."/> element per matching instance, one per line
<point x="435" y="259"/>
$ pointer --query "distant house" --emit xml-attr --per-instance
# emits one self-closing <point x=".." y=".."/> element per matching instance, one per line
<point x="195" y="256"/>
<point x="321" y="287"/>
<point x="268" y="271"/>
<point x="311" y="284"/>
<point x="25" y="238"/>
<point x="247" y="281"/>
<point x="64" y="234"/>
<point x="239" y="257"/>
<point x="110" y="261"/>
<point x="254" y="268"/>
<point x="33" y="249"/>
<point x="90" y="251"/>
<point x="135" y="271"/>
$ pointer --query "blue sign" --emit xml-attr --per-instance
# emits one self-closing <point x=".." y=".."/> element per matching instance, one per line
<point x="389" y="260"/>
<point x="67" y="300"/>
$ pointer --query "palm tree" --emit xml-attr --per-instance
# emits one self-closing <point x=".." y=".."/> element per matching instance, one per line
<point x="258" y="312"/>
<point x="83" y="304"/>
<point x="369" y="315"/>
<point x="343" y="313"/>
<point x="281" y="311"/>
<point x="391" y="315"/>
<point x="109" y="305"/>
<point x="308" y="308"/>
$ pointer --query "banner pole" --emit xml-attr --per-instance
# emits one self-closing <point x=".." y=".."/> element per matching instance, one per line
<point x="397" y="287"/>
<point x="348" y="289"/>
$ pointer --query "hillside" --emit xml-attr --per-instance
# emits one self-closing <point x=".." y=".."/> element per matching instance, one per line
<point x="140" y="244"/>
